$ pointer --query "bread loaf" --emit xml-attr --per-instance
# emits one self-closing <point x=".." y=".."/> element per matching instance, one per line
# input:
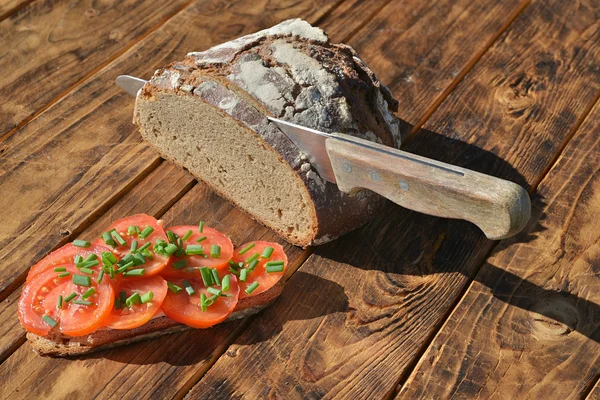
<point x="208" y="113"/>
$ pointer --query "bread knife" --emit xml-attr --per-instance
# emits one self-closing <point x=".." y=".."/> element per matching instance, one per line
<point x="500" y="208"/>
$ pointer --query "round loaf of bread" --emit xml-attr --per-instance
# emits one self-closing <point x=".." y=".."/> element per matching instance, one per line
<point x="208" y="115"/>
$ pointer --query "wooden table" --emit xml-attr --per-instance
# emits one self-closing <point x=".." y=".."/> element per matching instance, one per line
<point x="410" y="305"/>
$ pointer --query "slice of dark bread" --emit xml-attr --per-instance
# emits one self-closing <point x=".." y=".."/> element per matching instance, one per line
<point x="56" y="345"/>
<point x="208" y="115"/>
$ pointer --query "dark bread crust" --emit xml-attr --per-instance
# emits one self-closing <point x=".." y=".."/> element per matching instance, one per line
<point x="311" y="82"/>
<point x="104" y="339"/>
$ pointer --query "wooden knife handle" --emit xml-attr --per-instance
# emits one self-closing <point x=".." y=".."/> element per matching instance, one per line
<point x="498" y="207"/>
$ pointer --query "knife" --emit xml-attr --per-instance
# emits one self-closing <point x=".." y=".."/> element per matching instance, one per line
<point x="500" y="208"/>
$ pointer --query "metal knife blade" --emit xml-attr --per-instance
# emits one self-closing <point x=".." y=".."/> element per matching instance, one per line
<point x="130" y="84"/>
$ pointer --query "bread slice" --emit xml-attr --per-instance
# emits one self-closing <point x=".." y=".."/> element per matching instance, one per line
<point x="56" y="345"/>
<point x="208" y="115"/>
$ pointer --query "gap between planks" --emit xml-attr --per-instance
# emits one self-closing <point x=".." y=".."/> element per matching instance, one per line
<point x="15" y="9"/>
<point x="91" y="73"/>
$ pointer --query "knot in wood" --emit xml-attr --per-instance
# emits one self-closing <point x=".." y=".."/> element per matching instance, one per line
<point x="553" y="318"/>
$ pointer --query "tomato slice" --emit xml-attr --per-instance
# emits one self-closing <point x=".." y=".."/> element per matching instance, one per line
<point x="151" y="266"/>
<point x="40" y="297"/>
<point x="182" y="307"/>
<point x="65" y="255"/>
<point x="259" y="274"/>
<point x="137" y="315"/>
<point x="193" y="262"/>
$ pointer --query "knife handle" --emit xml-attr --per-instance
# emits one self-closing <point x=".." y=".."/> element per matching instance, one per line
<point x="498" y="207"/>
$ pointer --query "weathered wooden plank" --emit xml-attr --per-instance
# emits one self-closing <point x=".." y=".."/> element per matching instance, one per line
<point x="529" y="325"/>
<point x="403" y="273"/>
<point x="9" y="7"/>
<point x="349" y="17"/>
<point x="64" y="168"/>
<point x="49" y="46"/>
<point x="595" y="392"/>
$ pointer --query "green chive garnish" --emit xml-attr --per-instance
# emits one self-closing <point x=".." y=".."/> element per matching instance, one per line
<point x="201" y="226"/>
<point x="87" y="271"/>
<point x="60" y="301"/>
<point x="126" y="260"/>
<point x="147" y="297"/>
<point x="108" y="239"/>
<point x="133" y="230"/>
<point x="253" y="257"/>
<point x="77" y="259"/>
<point x="133" y="299"/>
<point x="267" y="252"/>
<point x="89" y="292"/>
<point x="251" y="288"/>
<point x="146" y="232"/>
<point x="203" y="300"/>
<point x="144" y="246"/>
<point x="122" y="296"/>
<point x="215" y="276"/>
<point x="60" y="269"/>
<point x="139" y="259"/>
<point x="64" y="274"/>
<point x="252" y="265"/>
<point x="87" y="264"/>
<point x="81" y="243"/>
<point x="118" y="237"/>
<point x="243" y="274"/>
<point x="70" y="297"/>
<point x="187" y="235"/>
<point x="109" y="258"/>
<point x="170" y="249"/>
<point x="274" y="263"/>
<point x="134" y="246"/>
<point x="173" y="287"/>
<point x="172" y="237"/>
<point x="215" y="251"/>
<point x="234" y="271"/>
<point x="47" y="319"/>
<point x="81" y="280"/>
<point x="274" y="268"/>
<point x="83" y="302"/>
<point x="134" y="272"/>
<point x="247" y="248"/>
<point x="194" y="249"/>
<point x="215" y="291"/>
<point x="91" y="257"/>
<point x="206" y="276"/>
<point x="118" y="305"/>
<point x="225" y="283"/>
<point x="188" y="288"/>
<point x="180" y="264"/>
<point x="124" y="267"/>
<point x="100" y="276"/>
<point x="200" y="239"/>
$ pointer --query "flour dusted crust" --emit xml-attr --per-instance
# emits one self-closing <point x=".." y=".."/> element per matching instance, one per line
<point x="293" y="72"/>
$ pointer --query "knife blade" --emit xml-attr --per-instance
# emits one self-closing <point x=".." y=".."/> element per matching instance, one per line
<point x="130" y="84"/>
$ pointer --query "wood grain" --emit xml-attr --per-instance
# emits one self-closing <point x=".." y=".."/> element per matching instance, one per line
<point x="49" y="46"/>
<point x="595" y="392"/>
<point x="349" y="17"/>
<point x="10" y="7"/>
<point x="529" y="326"/>
<point x="403" y="273"/>
<point x="52" y="194"/>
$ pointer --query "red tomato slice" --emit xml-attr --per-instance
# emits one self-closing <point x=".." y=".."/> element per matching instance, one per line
<point x="213" y="237"/>
<point x="259" y="274"/>
<point x="40" y="297"/>
<point x="65" y="255"/>
<point x="138" y="315"/>
<point x="158" y="261"/>
<point x="182" y="307"/>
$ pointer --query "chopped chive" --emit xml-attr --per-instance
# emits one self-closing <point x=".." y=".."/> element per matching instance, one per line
<point x="170" y="249"/>
<point x="201" y="239"/>
<point x="187" y="235"/>
<point x="252" y="265"/>
<point x="60" y="269"/>
<point x="203" y="299"/>
<point x="118" y="305"/>
<point x="91" y="257"/>
<point x="139" y="259"/>
<point x="81" y="243"/>
<point x="133" y="299"/>
<point x="77" y="259"/>
<point x="81" y="280"/>
<point x="234" y="271"/>
<point x="125" y="260"/>
<point x="214" y="291"/>
<point x="133" y="230"/>
<point x="108" y="239"/>
<point x="247" y="248"/>
<point x="274" y="263"/>
<point x="144" y="246"/>
<point x="134" y="272"/>
<point x="109" y="258"/>
<point x="146" y="232"/>
<point x="180" y="252"/>
<point x="201" y="226"/>
<point x="118" y="237"/>
<point x="134" y="246"/>
<point x="124" y="267"/>
<point x="83" y="302"/>
<point x="172" y="237"/>
<point x="88" y="293"/>
<point x="274" y="268"/>
<point x="253" y="257"/>
<point x="225" y="283"/>
<point x="180" y="264"/>
<point x="209" y="301"/>
<point x="206" y="276"/>
<point x="267" y="252"/>
<point x="173" y="287"/>
<point x="188" y="288"/>
<point x="233" y="264"/>
<point x="87" y="264"/>
<point x="48" y="319"/>
<point x="60" y="301"/>
<point x="215" y="251"/>
<point x="215" y="276"/>
<point x="87" y="271"/>
<point x="70" y="297"/>
<point x="100" y="276"/>
<point x="146" y="298"/>
<point x="64" y="274"/>
<point x="194" y="249"/>
<point x="251" y="288"/>
<point x="122" y="296"/>
<point x="243" y="274"/>
<point x="146" y="253"/>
